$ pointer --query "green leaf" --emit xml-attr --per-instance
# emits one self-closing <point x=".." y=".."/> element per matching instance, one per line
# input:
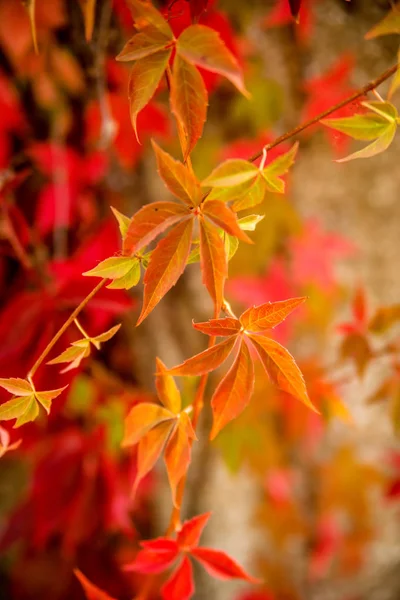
<point x="113" y="267"/>
<point x="253" y="196"/>
<point x="359" y="127"/>
<point x="389" y="24"/>
<point x="231" y="245"/>
<point x="282" y="164"/>
<point x="384" y="109"/>
<point x="123" y="221"/>
<point x="230" y="173"/>
<point x="128" y="281"/>
<point x="378" y="146"/>
<point x="250" y="222"/>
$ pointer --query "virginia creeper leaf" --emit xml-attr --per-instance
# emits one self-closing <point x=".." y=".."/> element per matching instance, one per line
<point x="150" y="221"/>
<point x="166" y="265"/>
<point x="107" y="335"/>
<point x="146" y="17"/>
<point x="267" y="316"/>
<point x="177" y="457"/>
<point x="46" y="397"/>
<point x="213" y="261"/>
<point x="359" y="127"/>
<point x="189" y="535"/>
<point x="250" y="222"/>
<point x="177" y="177"/>
<point x="92" y="592"/>
<point x="156" y="556"/>
<point x="150" y="448"/>
<point x="129" y="280"/>
<point x="189" y="100"/>
<point x="220" y="565"/>
<point x="380" y="145"/>
<point x="143" y="44"/>
<point x="233" y="392"/>
<point x="219" y="327"/>
<point x="281" y="368"/>
<point x="252" y="196"/>
<point x="385" y="109"/>
<point x="206" y="361"/>
<point x="232" y="172"/>
<point x="123" y="221"/>
<point x="389" y="24"/>
<point x="18" y="406"/>
<point x="141" y="419"/>
<point x="167" y="389"/>
<point x="203" y="46"/>
<point x="17" y="386"/>
<point x="113" y="267"/>
<point x="73" y="355"/>
<point x="224" y="217"/>
<point x="278" y="167"/>
<point x="180" y="585"/>
<point x="144" y="79"/>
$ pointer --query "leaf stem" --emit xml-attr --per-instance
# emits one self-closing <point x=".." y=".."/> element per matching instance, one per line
<point x="67" y="323"/>
<point x="369" y="87"/>
<point x="81" y="329"/>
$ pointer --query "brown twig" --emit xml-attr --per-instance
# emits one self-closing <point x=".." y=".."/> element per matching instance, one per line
<point x="361" y="92"/>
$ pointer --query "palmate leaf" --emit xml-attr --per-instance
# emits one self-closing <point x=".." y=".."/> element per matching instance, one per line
<point x="378" y="146"/>
<point x="213" y="261"/>
<point x="166" y="265"/>
<point x="234" y="391"/>
<point x="146" y="17"/>
<point x="143" y="44"/>
<point x="203" y="47"/>
<point x="177" y="177"/>
<point x="150" y="221"/>
<point x="144" y="79"/>
<point x="141" y="419"/>
<point x="189" y="100"/>
<point x="24" y="407"/>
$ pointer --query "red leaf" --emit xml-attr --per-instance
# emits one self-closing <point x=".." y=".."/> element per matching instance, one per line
<point x="224" y="217"/>
<point x="267" y="316"/>
<point x="282" y="368"/>
<point x="92" y="592"/>
<point x="145" y="76"/>
<point x="150" y="221"/>
<point x="177" y="177"/>
<point x="189" y="100"/>
<point x="189" y="535"/>
<point x="219" y="327"/>
<point x="206" y="361"/>
<point x="156" y="556"/>
<point x="180" y="586"/>
<point x="203" y="46"/>
<point x="213" y="263"/>
<point x="220" y="565"/>
<point x="166" y="265"/>
<point x="233" y="392"/>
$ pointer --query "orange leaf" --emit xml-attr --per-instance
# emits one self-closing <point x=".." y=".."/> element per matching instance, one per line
<point x="166" y="265"/>
<point x="213" y="263"/>
<point x="206" y="361"/>
<point x="219" y="327"/>
<point x="234" y="391"/>
<point x="150" y="448"/>
<point x="88" y="11"/>
<point x="144" y="79"/>
<point x="141" y="419"/>
<point x="282" y="368"/>
<point x="143" y="44"/>
<point x="177" y="457"/>
<point x="92" y="592"/>
<point x="149" y="222"/>
<point x="148" y="18"/>
<point x="189" y="100"/>
<point x="267" y="316"/>
<point x="224" y="217"/>
<point x="166" y="388"/>
<point x="203" y="46"/>
<point x="177" y="177"/>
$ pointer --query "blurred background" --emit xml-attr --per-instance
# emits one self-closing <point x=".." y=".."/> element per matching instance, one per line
<point x="307" y="502"/>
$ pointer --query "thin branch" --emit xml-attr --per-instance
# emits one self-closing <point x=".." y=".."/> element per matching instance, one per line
<point x="67" y="323"/>
<point x="369" y="87"/>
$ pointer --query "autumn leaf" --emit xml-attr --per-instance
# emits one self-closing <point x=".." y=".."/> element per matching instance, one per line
<point x="92" y="592"/>
<point x="177" y="454"/>
<point x="177" y="177"/>
<point x="224" y="217"/>
<point x="390" y="24"/>
<point x="231" y="173"/>
<point x="180" y="586"/>
<point x="167" y="390"/>
<point x="124" y="271"/>
<point x="219" y="327"/>
<point x="220" y="565"/>
<point x="89" y="11"/>
<point x="202" y="46"/>
<point x="147" y="18"/>
<point x="267" y="316"/>
<point x="144" y="79"/>
<point x="151" y="220"/>
<point x="166" y="265"/>
<point x="233" y="392"/>
<point x="206" y="361"/>
<point x="189" y="100"/>
<point x="214" y="266"/>
<point x="24" y="407"/>
<point x="141" y="419"/>
<point x="143" y="44"/>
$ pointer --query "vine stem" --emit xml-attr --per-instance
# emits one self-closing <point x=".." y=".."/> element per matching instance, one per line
<point x="67" y="323"/>
<point x="369" y="87"/>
